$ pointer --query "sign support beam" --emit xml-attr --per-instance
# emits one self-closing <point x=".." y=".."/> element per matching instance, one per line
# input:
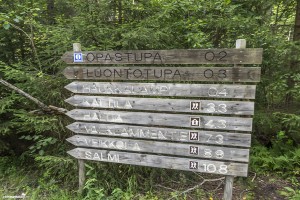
<point x="81" y="162"/>
<point x="240" y="44"/>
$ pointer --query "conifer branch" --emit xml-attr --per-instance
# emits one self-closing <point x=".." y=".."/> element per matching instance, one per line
<point x="48" y="109"/>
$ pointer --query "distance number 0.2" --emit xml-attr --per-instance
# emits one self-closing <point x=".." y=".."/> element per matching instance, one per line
<point x="211" y="56"/>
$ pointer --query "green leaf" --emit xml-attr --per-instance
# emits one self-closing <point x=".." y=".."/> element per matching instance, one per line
<point x="227" y="2"/>
<point x="6" y="26"/>
<point x="41" y="152"/>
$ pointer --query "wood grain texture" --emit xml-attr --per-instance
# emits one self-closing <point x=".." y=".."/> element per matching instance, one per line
<point x="162" y="134"/>
<point x="191" y="56"/>
<point x="164" y="89"/>
<point x="187" y="164"/>
<point x="164" y="105"/>
<point x="223" y="74"/>
<point x="167" y="148"/>
<point x="161" y="119"/>
<point x="228" y="188"/>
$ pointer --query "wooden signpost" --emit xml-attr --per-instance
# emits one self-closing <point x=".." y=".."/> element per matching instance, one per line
<point x="173" y="122"/>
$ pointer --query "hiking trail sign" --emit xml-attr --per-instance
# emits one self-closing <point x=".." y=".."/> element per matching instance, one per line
<point x="155" y="113"/>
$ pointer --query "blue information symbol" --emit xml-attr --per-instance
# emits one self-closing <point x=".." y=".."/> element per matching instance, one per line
<point x="78" y="57"/>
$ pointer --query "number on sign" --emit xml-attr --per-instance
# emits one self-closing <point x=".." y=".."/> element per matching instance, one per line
<point x="220" y="108"/>
<point x="219" y="154"/>
<point x="214" y="92"/>
<point x="210" y="124"/>
<point x="219" y="139"/>
<point x="222" y="124"/>
<point x="212" y="168"/>
<point x="210" y="56"/>
<point x="210" y="73"/>
<point x="219" y="124"/>
<point x="208" y="153"/>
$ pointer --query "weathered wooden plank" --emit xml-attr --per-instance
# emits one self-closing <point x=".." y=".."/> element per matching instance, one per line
<point x="224" y="74"/>
<point x="228" y="187"/>
<point x="162" y="134"/>
<point x="154" y="147"/>
<point x="164" y="89"/>
<point x="164" y="105"/>
<point x="187" y="164"/>
<point x="161" y="119"/>
<point x="180" y="56"/>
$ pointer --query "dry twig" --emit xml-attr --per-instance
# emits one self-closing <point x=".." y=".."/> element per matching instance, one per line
<point x="47" y="109"/>
<point x="196" y="186"/>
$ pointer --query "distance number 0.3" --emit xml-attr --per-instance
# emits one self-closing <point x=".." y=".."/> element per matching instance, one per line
<point x="210" y="73"/>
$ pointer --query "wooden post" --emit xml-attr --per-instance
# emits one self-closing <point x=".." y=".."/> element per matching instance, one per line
<point x="228" y="187"/>
<point x="240" y="44"/>
<point x="81" y="166"/>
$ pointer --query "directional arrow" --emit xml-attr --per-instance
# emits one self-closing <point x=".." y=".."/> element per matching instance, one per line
<point x="154" y="147"/>
<point x="187" y="164"/>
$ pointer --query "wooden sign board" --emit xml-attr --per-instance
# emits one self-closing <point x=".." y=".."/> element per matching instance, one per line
<point x="164" y="89"/>
<point x="224" y="74"/>
<point x="164" y="105"/>
<point x="177" y="149"/>
<point x="191" y="56"/>
<point x="187" y="164"/>
<point x="161" y="119"/>
<point x="192" y="136"/>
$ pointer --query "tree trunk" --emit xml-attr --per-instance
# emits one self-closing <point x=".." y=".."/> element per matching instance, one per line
<point x="294" y="64"/>
<point x="296" y="36"/>
<point x="50" y="12"/>
<point x="120" y="11"/>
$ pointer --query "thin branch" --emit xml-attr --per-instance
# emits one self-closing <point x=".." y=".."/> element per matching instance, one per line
<point x="158" y="185"/>
<point x="197" y="186"/>
<point x="44" y="107"/>
<point x="31" y="42"/>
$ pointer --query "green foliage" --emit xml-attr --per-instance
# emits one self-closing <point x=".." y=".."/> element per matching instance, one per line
<point x="282" y="159"/>
<point x="291" y="193"/>
<point x="17" y="179"/>
<point x="40" y="143"/>
<point x="97" y="190"/>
